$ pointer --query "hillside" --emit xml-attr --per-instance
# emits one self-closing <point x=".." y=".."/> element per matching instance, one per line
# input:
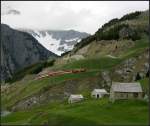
<point x="18" y="50"/>
<point x="129" y="28"/>
<point x="106" y="57"/>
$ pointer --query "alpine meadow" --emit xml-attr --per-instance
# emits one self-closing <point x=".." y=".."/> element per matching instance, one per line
<point x="72" y="78"/>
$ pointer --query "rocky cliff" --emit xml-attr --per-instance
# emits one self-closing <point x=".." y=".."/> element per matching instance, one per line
<point x="18" y="50"/>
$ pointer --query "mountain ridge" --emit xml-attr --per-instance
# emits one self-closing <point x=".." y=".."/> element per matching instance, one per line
<point x="57" y="41"/>
<point x="19" y="49"/>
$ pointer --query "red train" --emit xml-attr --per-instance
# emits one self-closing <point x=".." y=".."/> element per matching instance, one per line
<point x="56" y="73"/>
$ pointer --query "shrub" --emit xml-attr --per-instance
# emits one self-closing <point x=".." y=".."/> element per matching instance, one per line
<point x="112" y="33"/>
<point x="84" y="42"/>
<point x="130" y="16"/>
<point x="147" y="74"/>
<point x="138" y="77"/>
<point x="32" y="69"/>
<point x="111" y="22"/>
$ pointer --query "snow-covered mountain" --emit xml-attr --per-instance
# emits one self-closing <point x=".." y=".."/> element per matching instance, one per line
<point x="56" y="41"/>
<point x="59" y="41"/>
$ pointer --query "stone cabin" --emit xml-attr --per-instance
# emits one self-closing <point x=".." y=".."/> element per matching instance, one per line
<point x="98" y="93"/>
<point x="75" y="98"/>
<point x="125" y="91"/>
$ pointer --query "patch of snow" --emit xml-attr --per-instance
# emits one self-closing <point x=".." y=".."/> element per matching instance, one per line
<point x="67" y="47"/>
<point x="48" y="42"/>
<point x="78" y="40"/>
<point x="70" y="40"/>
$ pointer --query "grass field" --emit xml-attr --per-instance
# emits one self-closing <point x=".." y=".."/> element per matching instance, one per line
<point x="86" y="113"/>
<point x="93" y="63"/>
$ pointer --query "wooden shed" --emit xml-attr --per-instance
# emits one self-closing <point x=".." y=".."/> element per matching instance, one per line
<point x="98" y="93"/>
<point x="75" y="98"/>
<point x="125" y="91"/>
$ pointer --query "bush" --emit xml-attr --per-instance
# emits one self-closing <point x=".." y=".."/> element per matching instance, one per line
<point x="136" y="36"/>
<point x="32" y="69"/>
<point x="147" y="74"/>
<point x="84" y="42"/>
<point x="111" y="22"/>
<point x="130" y="16"/>
<point x="111" y="34"/>
<point x="138" y="77"/>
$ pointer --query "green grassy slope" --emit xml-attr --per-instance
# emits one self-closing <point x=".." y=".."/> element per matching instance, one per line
<point x="22" y="90"/>
<point x="86" y="113"/>
<point x="27" y="89"/>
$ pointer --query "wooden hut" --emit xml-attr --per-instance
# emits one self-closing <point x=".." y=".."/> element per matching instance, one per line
<point x="98" y="93"/>
<point x="75" y="98"/>
<point x="125" y="91"/>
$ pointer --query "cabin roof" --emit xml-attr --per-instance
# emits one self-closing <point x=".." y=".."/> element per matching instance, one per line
<point x="75" y="96"/>
<point x="126" y="87"/>
<point x="100" y="91"/>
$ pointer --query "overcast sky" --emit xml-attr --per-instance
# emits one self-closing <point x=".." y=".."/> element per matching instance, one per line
<point x="85" y="16"/>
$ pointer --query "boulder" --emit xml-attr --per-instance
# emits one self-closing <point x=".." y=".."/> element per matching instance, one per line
<point x="125" y="32"/>
<point x="106" y="77"/>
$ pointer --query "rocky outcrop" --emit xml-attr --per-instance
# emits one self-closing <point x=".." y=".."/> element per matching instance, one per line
<point x="106" y="79"/>
<point x="18" y="50"/>
<point x="133" y="68"/>
<point x="125" y="32"/>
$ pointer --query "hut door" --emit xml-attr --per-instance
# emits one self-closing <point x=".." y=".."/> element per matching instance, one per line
<point x="97" y="95"/>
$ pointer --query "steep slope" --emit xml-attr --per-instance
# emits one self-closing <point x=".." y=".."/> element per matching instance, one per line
<point x="117" y="33"/>
<point x="18" y="50"/>
<point x="57" y="41"/>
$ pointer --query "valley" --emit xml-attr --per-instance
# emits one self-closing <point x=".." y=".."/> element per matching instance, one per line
<point x="105" y="57"/>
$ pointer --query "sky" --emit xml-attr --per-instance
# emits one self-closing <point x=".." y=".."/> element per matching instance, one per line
<point x="84" y="16"/>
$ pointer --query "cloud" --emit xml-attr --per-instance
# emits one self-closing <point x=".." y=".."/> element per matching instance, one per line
<point x="85" y="16"/>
